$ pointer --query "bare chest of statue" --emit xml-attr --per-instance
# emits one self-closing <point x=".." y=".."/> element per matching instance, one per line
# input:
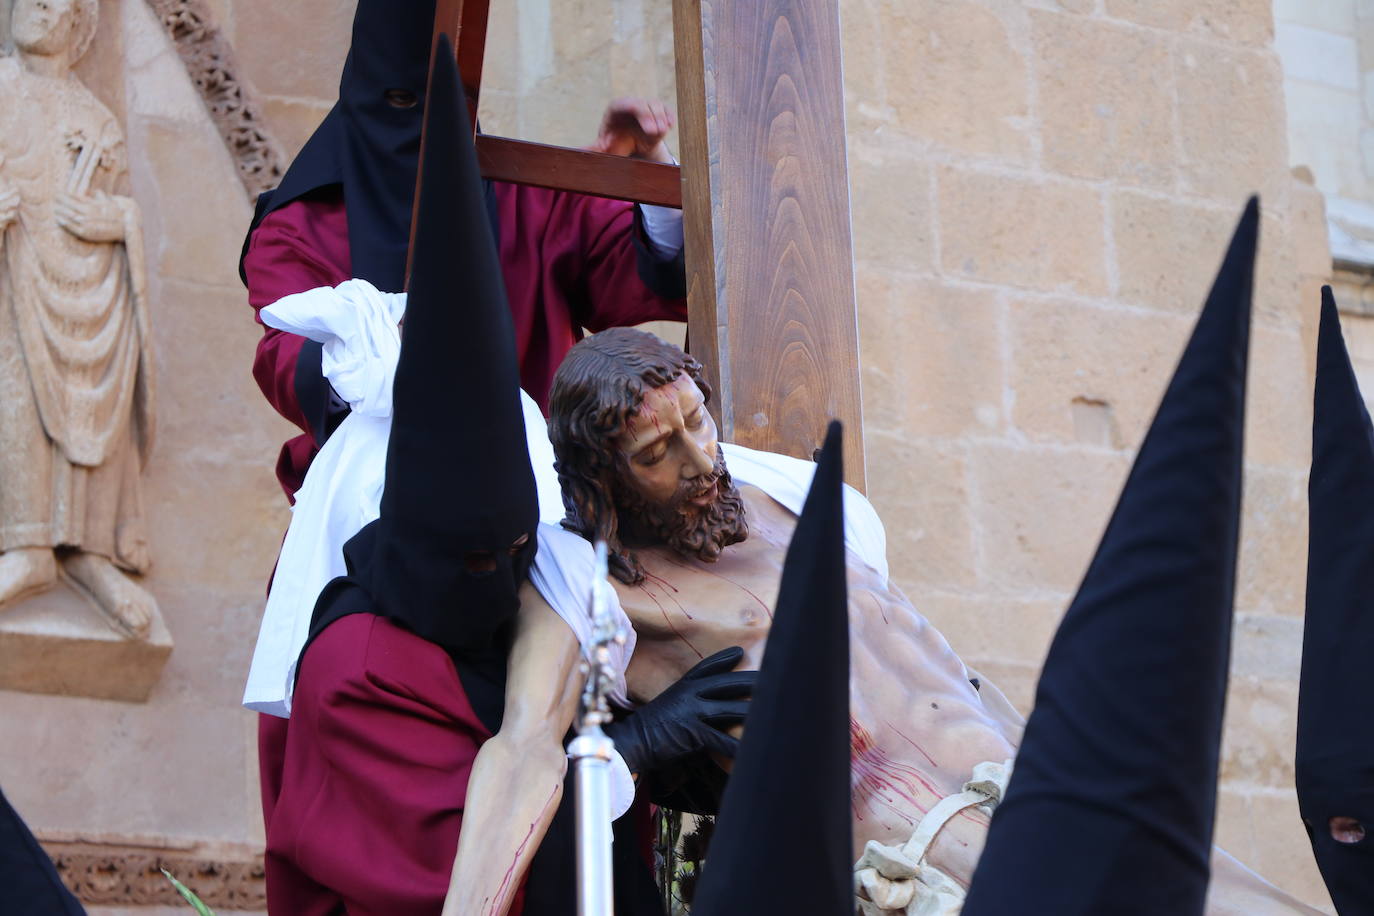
<point x="917" y="724"/>
<point x="685" y="609"/>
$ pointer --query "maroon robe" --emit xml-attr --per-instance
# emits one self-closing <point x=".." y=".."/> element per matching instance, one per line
<point x="381" y="735"/>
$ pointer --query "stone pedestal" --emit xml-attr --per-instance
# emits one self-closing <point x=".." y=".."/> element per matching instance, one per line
<point x="60" y="642"/>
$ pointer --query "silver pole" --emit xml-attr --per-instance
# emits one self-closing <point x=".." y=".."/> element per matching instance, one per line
<point x="591" y="753"/>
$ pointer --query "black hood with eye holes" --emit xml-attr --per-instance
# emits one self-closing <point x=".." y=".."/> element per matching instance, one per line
<point x="460" y="490"/>
<point x="365" y="144"/>
<point x="445" y="558"/>
<point x="1335" y="749"/>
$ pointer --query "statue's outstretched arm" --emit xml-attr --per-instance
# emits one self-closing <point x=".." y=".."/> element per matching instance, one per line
<point x="517" y="777"/>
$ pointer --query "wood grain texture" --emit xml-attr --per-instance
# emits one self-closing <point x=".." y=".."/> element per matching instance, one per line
<point x="465" y="22"/>
<point x="562" y="168"/>
<point x="695" y="104"/>
<point x="762" y="124"/>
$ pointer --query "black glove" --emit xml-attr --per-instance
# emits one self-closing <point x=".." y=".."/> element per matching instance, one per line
<point x="687" y="717"/>
<point x="693" y="785"/>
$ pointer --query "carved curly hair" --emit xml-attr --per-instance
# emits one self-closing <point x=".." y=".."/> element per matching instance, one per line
<point x="600" y="385"/>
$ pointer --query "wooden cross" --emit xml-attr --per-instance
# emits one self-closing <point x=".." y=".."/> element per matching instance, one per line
<point x="765" y="194"/>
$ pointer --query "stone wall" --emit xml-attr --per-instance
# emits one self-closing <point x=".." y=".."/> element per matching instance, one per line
<point x="1041" y="193"/>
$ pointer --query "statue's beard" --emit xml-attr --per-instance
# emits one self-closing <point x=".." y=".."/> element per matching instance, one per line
<point x="693" y="530"/>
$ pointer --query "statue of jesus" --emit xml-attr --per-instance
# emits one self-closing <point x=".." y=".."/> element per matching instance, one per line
<point x="697" y="562"/>
<point x="76" y="383"/>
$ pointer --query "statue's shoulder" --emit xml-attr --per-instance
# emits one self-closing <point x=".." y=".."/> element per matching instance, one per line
<point x="759" y="501"/>
<point x="12" y="78"/>
<point x="92" y="108"/>
<point x="18" y="104"/>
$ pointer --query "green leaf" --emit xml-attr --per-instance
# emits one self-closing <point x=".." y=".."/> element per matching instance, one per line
<point x="190" y="896"/>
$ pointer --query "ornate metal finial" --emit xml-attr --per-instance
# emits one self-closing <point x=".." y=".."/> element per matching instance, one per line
<point x="591" y="752"/>
<point x="596" y="663"/>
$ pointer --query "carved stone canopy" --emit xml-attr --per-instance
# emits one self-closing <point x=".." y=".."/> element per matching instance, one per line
<point x="210" y="62"/>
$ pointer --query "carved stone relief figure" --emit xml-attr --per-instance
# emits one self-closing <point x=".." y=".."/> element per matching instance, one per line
<point x="76" y="374"/>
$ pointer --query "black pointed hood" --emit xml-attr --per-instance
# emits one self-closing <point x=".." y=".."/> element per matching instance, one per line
<point x="368" y="145"/>
<point x="1335" y="752"/>
<point x="786" y="810"/>
<point x="1118" y="769"/>
<point x="460" y="491"/>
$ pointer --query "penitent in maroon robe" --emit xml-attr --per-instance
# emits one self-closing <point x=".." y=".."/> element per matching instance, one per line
<point x="374" y="689"/>
<point x="569" y="261"/>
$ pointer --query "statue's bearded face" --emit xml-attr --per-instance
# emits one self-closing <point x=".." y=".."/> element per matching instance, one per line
<point x="675" y="488"/>
<point x="43" y="27"/>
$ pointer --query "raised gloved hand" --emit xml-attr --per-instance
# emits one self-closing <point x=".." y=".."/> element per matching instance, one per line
<point x="688" y="716"/>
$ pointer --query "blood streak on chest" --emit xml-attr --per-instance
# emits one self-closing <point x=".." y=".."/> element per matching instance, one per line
<point x="919" y="749"/>
<point x="668" y="591"/>
<point x="644" y="587"/>
<point x="766" y="609"/>
<point x="880" y="782"/>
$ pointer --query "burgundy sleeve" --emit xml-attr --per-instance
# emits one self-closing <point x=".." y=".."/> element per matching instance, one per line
<point x="380" y="749"/>
<point x="301" y="246"/>
<point x="626" y="283"/>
